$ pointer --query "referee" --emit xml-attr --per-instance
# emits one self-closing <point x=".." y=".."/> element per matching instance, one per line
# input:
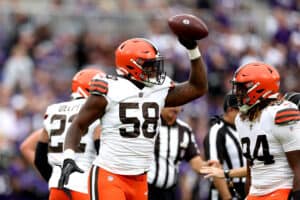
<point x="222" y="143"/>
<point x="174" y="143"/>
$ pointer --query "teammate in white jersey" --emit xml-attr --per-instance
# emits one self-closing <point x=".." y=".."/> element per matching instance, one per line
<point x="129" y="107"/>
<point x="269" y="128"/>
<point x="218" y="172"/>
<point x="58" y="118"/>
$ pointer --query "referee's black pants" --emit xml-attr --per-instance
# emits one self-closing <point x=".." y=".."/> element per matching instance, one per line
<point x="155" y="193"/>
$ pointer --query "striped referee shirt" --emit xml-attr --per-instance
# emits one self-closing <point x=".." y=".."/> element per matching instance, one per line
<point x="222" y="143"/>
<point x="172" y="145"/>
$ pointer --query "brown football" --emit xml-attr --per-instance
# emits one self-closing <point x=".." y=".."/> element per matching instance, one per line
<point x="188" y="26"/>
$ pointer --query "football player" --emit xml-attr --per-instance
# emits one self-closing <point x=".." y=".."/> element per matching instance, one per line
<point x="129" y="108"/>
<point x="49" y="142"/>
<point x="269" y="129"/>
<point x="218" y="172"/>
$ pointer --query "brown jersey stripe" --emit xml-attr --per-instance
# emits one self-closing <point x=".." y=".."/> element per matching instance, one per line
<point x="99" y="86"/>
<point x="287" y="115"/>
<point x="288" y="112"/>
<point x="287" y="109"/>
<point x="287" y="119"/>
<point x="98" y="89"/>
<point x="101" y="82"/>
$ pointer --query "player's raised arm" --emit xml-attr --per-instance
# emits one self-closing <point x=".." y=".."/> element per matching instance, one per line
<point x="188" y="34"/>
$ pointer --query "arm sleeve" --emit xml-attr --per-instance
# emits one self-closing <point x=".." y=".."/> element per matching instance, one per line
<point x="41" y="160"/>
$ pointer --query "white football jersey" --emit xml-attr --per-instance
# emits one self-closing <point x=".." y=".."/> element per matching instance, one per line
<point x="264" y="143"/>
<point x="129" y="125"/>
<point x="57" y="121"/>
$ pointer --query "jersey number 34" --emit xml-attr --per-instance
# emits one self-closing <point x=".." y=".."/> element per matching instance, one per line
<point x="261" y="150"/>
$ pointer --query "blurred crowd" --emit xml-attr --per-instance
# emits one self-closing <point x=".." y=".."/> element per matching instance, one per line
<point x="44" y="43"/>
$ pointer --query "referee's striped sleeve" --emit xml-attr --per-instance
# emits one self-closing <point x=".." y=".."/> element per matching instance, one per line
<point x="213" y="143"/>
<point x="192" y="149"/>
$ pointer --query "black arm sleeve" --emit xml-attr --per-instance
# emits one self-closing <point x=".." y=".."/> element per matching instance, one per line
<point x="41" y="160"/>
<point x="97" y="145"/>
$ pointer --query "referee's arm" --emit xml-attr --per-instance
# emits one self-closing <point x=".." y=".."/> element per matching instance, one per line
<point x="219" y="183"/>
<point x="192" y="154"/>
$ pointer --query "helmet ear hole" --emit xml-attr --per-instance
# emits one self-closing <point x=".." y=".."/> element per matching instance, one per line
<point x="130" y="67"/>
<point x="260" y="91"/>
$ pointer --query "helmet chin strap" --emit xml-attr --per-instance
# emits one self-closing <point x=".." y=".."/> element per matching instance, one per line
<point x="245" y="108"/>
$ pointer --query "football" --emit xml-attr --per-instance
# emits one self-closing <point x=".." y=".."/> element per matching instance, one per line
<point x="188" y="26"/>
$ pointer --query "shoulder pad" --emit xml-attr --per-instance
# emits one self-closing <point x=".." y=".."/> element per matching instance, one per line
<point x="98" y="86"/>
<point x="287" y="116"/>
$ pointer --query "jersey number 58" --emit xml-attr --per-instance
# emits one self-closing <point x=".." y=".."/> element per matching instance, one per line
<point x="148" y="120"/>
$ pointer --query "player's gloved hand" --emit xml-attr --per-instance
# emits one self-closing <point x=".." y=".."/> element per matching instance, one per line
<point x="69" y="166"/>
<point x="188" y="43"/>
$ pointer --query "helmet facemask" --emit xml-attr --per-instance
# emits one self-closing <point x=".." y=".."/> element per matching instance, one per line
<point x="241" y="91"/>
<point x="152" y="71"/>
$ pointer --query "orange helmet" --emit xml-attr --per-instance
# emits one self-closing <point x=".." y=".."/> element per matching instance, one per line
<point x="254" y="82"/>
<point x="81" y="80"/>
<point x="140" y="60"/>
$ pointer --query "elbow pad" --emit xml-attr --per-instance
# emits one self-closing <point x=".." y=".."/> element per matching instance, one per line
<point x="41" y="160"/>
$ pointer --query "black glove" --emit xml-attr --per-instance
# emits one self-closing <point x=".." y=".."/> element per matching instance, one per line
<point x="188" y="43"/>
<point x="69" y="167"/>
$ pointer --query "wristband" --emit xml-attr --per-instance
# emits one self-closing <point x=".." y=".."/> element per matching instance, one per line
<point x="194" y="53"/>
<point x="226" y="174"/>
<point x="69" y="153"/>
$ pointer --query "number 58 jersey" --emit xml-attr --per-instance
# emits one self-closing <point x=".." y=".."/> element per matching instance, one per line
<point x="129" y="124"/>
<point x="264" y="143"/>
<point x="57" y="120"/>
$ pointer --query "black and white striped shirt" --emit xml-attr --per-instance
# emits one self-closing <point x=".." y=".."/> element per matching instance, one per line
<point x="222" y="143"/>
<point x="172" y="145"/>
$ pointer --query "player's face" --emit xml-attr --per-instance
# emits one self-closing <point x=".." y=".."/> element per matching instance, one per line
<point x="240" y="91"/>
<point x="153" y="71"/>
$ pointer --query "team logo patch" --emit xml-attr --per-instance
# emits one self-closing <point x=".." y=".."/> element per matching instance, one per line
<point x="110" y="178"/>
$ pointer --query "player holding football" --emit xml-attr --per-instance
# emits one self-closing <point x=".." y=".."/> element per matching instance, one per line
<point x="129" y="108"/>
<point x="269" y="129"/>
<point x="49" y="140"/>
